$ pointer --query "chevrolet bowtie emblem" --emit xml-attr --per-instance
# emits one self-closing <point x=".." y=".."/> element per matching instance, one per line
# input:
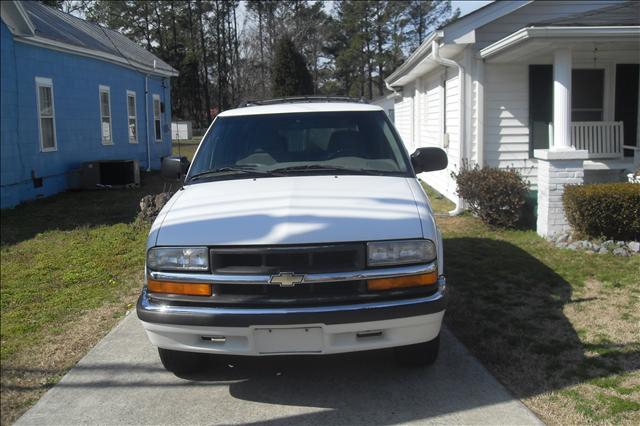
<point x="286" y="279"/>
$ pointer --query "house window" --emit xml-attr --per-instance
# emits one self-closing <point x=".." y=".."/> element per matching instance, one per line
<point x="46" y="114"/>
<point x="587" y="95"/>
<point x="131" y="117"/>
<point x="157" y="125"/>
<point x="105" y="115"/>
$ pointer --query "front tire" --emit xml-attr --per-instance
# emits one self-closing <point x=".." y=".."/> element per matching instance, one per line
<point x="420" y="355"/>
<point x="179" y="362"/>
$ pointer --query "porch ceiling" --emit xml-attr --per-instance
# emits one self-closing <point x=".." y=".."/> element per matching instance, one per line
<point x="536" y="44"/>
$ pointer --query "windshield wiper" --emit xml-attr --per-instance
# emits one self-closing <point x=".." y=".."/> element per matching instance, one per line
<point x="327" y="168"/>
<point x="229" y="170"/>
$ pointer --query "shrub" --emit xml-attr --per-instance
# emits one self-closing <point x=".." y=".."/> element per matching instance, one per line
<point x="609" y="210"/>
<point x="497" y="196"/>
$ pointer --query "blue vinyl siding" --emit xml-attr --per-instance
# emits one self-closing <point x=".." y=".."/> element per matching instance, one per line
<point x="76" y="80"/>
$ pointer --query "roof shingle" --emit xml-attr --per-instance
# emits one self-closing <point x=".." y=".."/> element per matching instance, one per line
<point x="625" y="14"/>
<point x="58" y="26"/>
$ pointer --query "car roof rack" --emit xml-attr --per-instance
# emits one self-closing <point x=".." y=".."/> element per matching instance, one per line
<point x="302" y="99"/>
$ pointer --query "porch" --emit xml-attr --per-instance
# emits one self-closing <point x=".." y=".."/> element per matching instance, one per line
<point x="584" y="101"/>
<point x="584" y="84"/>
<point x="592" y="108"/>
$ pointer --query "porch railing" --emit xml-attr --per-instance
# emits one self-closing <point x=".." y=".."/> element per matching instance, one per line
<point x="603" y="139"/>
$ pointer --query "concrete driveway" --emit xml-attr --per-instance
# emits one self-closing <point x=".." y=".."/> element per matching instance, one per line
<point x="121" y="381"/>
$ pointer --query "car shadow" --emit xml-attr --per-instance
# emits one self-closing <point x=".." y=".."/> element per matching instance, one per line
<point x="73" y="209"/>
<point x="358" y="388"/>
<point x="505" y="305"/>
<point x="509" y="309"/>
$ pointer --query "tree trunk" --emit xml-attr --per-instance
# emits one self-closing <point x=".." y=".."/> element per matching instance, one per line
<point x="147" y="32"/>
<point x="261" y="37"/>
<point x="196" y="94"/>
<point x="207" y="101"/>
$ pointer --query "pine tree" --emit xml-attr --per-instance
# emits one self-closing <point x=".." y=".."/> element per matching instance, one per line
<point x="290" y="74"/>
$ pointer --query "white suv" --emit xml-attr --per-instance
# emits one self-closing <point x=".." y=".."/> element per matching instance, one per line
<point x="300" y="229"/>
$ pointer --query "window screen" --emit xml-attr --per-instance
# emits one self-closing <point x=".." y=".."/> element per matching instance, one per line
<point x="587" y="95"/>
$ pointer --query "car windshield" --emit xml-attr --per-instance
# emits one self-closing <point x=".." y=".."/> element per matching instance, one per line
<point x="361" y="142"/>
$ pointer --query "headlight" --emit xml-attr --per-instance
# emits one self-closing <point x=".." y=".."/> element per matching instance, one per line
<point x="178" y="259"/>
<point x="400" y="252"/>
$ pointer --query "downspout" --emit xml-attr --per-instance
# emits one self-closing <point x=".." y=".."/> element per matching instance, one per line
<point x="395" y="92"/>
<point x="146" y="119"/>
<point x="435" y="56"/>
<point x="480" y="114"/>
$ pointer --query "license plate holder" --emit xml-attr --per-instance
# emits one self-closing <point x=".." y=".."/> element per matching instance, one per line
<point x="288" y="340"/>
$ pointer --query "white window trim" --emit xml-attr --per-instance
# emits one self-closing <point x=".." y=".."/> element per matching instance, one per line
<point x="105" y="89"/>
<point x="131" y="93"/>
<point x="46" y="82"/>
<point x="159" y="117"/>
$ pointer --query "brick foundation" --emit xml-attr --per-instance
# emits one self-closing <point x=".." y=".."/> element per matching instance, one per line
<point x="555" y="170"/>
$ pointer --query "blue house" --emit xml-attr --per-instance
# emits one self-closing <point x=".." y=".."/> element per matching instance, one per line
<point x="72" y="92"/>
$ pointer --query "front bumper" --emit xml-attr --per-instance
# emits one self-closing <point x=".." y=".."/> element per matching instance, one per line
<point x="190" y="315"/>
<point x="311" y="338"/>
<point x="293" y="330"/>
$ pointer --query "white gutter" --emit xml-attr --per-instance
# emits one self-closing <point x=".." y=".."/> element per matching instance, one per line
<point x="435" y="56"/>
<point x="558" y="32"/>
<point x="414" y="59"/>
<point x="25" y="17"/>
<point x="395" y="92"/>
<point x="146" y="119"/>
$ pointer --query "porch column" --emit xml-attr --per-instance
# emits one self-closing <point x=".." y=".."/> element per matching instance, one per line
<point x="561" y="164"/>
<point x="562" y="100"/>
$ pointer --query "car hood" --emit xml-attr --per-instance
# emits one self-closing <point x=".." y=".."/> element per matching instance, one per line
<point x="291" y="210"/>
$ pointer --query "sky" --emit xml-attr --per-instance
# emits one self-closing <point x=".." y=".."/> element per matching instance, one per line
<point x="465" y="6"/>
<point x="468" y="6"/>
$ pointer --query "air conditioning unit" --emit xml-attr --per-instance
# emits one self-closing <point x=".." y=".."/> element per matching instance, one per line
<point x="109" y="173"/>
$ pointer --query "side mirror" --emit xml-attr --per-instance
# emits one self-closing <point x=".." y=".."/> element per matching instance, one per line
<point x="429" y="159"/>
<point x="174" y="167"/>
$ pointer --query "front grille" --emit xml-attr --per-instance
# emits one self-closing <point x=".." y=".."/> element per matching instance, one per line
<point x="301" y="294"/>
<point x="299" y="259"/>
<point x="257" y="295"/>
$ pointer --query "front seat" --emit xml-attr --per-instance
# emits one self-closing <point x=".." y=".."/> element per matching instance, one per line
<point x="346" y="143"/>
<point x="274" y="146"/>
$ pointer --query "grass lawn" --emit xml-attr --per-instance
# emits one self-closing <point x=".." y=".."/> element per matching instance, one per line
<point x="559" y="328"/>
<point x="186" y="148"/>
<point x="71" y="266"/>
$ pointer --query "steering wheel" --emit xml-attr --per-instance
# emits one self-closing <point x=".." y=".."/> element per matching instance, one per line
<point x="348" y="152"/>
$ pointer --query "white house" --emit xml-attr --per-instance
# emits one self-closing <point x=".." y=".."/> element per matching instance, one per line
<point x="550" y="88"/>
<point x="387" y="103"/>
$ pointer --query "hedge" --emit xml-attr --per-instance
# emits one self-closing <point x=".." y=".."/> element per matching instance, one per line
<point x="604" y="210"/>
<point x="495" y="195"/>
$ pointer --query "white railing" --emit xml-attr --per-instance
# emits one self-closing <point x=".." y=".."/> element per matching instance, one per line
<point x="603" y="139"/>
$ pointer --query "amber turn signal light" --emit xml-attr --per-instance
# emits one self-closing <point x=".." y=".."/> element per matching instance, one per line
<point x="190" y="289"/>
<point x="403" y="282"/>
